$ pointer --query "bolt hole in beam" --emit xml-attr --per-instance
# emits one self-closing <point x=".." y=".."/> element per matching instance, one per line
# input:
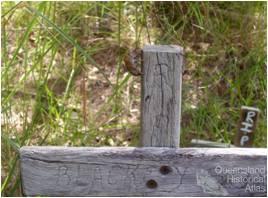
<point x="165" y="170"/>
<point x="151" y="184"/>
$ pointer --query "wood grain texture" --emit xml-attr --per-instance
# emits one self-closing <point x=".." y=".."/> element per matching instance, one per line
<point x="161" y="95"/>
<point x="118" y="171"/>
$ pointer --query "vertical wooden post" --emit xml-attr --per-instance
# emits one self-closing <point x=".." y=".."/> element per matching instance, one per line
<point x="161" y="95"/>
<point x="246" y="126"/>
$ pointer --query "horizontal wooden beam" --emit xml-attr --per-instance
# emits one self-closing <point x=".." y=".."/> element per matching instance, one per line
<point x="121" y="171"/>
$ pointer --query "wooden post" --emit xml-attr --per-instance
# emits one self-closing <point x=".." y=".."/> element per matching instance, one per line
<point x="161" y="95"/>
<point x="246" y="126"/>
<point x="148" y="171"/>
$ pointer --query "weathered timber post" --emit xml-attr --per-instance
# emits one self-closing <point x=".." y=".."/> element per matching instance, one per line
<point x="147" y="171"/>
<point x="161" y="95"/>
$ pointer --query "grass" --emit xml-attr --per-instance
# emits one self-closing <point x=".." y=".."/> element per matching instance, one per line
<point x="63" y="82"/>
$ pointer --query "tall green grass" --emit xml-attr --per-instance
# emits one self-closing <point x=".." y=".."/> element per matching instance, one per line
<point x="60" y="58"/>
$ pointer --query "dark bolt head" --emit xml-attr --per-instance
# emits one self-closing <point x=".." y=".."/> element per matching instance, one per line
<point x="151" y="183"/>
<point x="165" y="170"/>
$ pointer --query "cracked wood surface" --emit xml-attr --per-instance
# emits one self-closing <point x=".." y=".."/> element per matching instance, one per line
<point x="127" y="171"/>
<point x="161" y="95"/>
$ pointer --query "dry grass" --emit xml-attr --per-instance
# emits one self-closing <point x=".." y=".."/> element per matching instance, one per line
<point x="63" y="82"/>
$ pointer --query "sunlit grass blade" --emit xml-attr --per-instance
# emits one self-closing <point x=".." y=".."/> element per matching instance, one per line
<point x="69" y="39"/>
